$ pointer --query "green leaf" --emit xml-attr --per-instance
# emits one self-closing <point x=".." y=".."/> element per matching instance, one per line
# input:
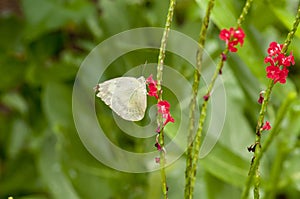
<point x="224" y="14"/>
<point x="49" y="15"/>
<point x="18" y="138"/>
<point x="57" y="104"/>
<point x="11" y="72"/>
<point x="285" y="16"/>
<point x="33" y="197"/>
<point x="15" y="101"/>
<point x="52" y="173"/>
<point x="38" y="74"/>
<point x="19" y="176"/>
<point x="224" y="190"/>
<point x="11" y="30"/>
<point x="289" y="141"/>
<point x="227" y="166"/>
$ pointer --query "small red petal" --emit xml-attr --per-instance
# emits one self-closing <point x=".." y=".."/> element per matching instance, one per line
<point x="163" y="107"/>
<point x="150" y="80"/>
<point x="223" y="56"/>
<point x="267" y="126"/>
<point x="224" y="35"/>
<point x="260" y="99"/>
<point x="152" y="87"/>
<point x="206" y="97"/>
<point x="274" y="48"/>
<point x="168" y="118"/>
<point x="270" y="60"/>
<point x="158" y="130"/>
<point x="158" y="146"/>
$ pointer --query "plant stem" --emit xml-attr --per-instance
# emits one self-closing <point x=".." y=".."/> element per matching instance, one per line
<point x="188" y="193"/>
<point x="276" y="171"/>
<point x="244" y="13"/>
<point x="163" y="44"/>
<point x="283" y="145"/>
<point x="197" y="142"/>
<point x="281" y="113"/>
<point x="292" y="32"/>
<point x="254" y="168"/>
<point x="259" y="125"/>
<point x="161" y="57"/>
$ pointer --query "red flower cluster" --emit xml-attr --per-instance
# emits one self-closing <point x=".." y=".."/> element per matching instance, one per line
<point x="267" y="126"/>
<point x="163" y="107"/>
<point x="152" y="87"/>
<point x="278" y="70"/>
<point x="232" y="37"/>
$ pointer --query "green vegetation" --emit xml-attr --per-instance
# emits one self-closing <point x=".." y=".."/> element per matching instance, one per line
<point x="44" y="42"/>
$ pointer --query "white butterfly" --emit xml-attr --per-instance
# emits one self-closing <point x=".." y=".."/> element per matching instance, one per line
<point x="126" y="96"/>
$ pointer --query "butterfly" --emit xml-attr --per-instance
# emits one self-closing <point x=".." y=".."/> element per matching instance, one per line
<point x="126" y="96"/>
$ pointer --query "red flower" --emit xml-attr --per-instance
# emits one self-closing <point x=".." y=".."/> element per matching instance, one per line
<point x="150" y="80"/>
<point x="261" y="97"/>
<point x="278" y="63"/>
<point x="231" y="47"/>
<point x="232" y="37"/>
<point x="289" y="60"/>
<point x="272" y="72"/>
<point x="277" y="74"/>
<point x="225" y="34"/>
<point x="270" y="60"/>
<point x="239" y="35"/>
<point x="282" y="75"/>
<point x="152" y="87"/>
<point x="168" y="118"/>
<point x="164" y="108"/>
<point x="274" y="48"/>
<point x="267" y="126"/>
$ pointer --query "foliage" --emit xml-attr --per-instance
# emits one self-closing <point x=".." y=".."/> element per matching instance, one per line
<point x="42" y="44"/>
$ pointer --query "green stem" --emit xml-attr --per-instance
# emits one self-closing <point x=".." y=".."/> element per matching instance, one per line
<point x="254" y="168"/>
<point x="244" y="13"/>
<point x="275" y="128"/>
<point x="162" y="50"/>
<point x="276" y="170"/>
<point x="283" y="145"/>
<point x="197" y="141"/>
<point x="188" y="193"/>
<point x="161" y="57"/>
<point x="259" y="125"/>
<point x="292" y="32"/>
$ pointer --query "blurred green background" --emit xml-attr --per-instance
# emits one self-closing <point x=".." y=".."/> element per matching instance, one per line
<point x="42" y="44"/>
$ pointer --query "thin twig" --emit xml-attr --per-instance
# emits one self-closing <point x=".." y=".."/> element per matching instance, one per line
<point x="188" y="181"/>
<point x="254" y="168"/>
<point x="197" y="141"/>
<point x="161" y="57"/>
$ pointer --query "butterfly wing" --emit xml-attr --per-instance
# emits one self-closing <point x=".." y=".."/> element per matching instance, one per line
<point x="126" y="96"/>
<point x="106" y="90"/>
